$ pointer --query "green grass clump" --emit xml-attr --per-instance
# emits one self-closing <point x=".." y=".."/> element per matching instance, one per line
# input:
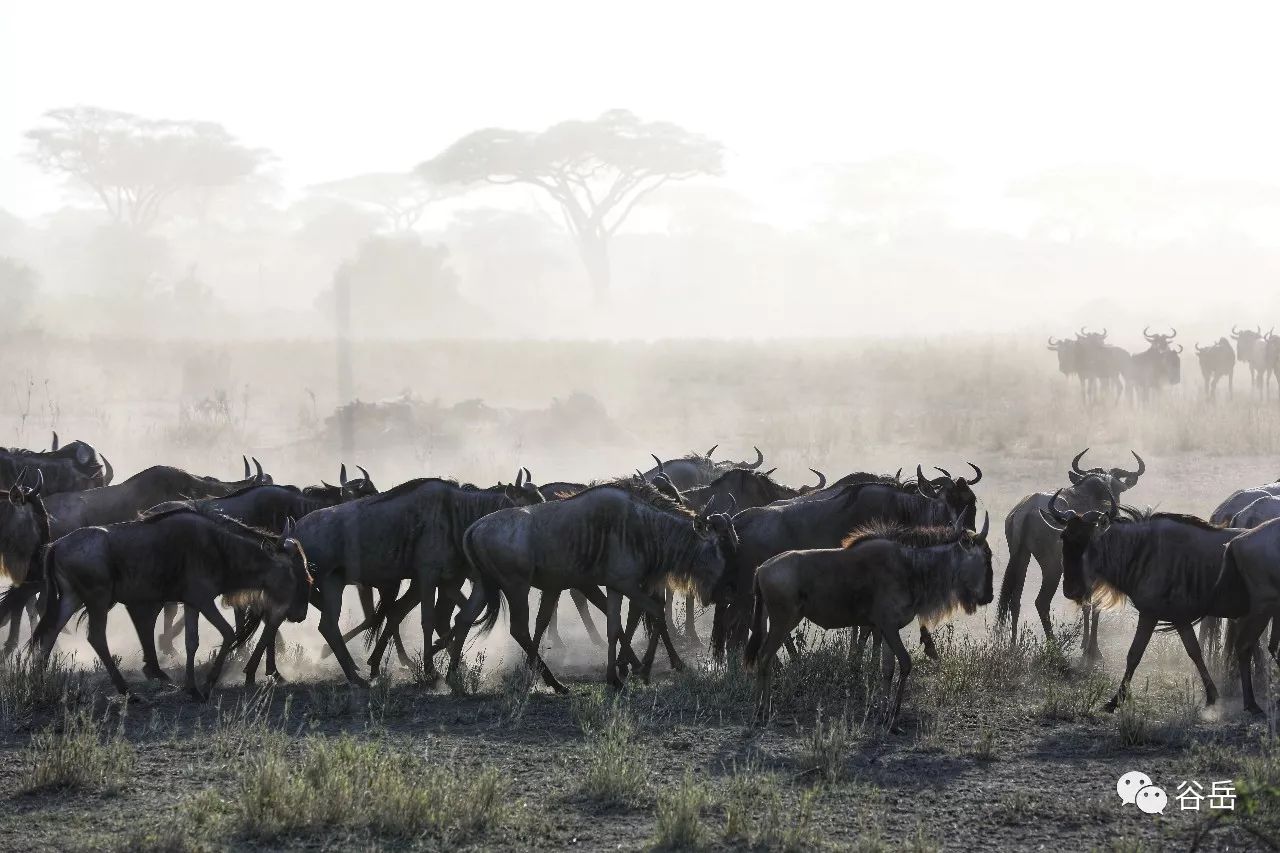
<point x="80" y="753"/>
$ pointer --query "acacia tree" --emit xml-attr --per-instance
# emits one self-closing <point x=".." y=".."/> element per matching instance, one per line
<point x="597" y="171"/>
<point x="133" y="165"/>
<point x="398" y="197"/>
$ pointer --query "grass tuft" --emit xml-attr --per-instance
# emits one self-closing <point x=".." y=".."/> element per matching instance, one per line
<point x="680" y="816"/>
<point x="79" y="753"/>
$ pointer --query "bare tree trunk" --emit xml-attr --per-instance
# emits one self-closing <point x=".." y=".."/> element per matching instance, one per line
<point x="594" y="250"/>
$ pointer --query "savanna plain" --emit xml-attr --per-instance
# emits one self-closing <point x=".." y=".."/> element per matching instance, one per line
<point x="1001" y="745"/>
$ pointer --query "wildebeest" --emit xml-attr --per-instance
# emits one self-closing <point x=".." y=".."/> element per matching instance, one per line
<point x="187" y="555"/>
<point x="884" y="575"/>
<point x="1217" y="361"/>
<point x="1068" y="355"/>
<point x="804" y="523"/>
<point x="1253" y="557"/>
<point x="1169" y="566"/>
<point x="1240" y="499"/>
<point x="1156" y="367"/>
<point x="625" y="536"/>
<point x="1251" y="348"/>
<point x="70" y="468"/>
<point x="1100" y="366"/>
<point x="1029" y="536"/>
<point x="411" y="532"/>
<point x="1257" y="513"/>
<point x="69" y="511"/>
<point x="697" y="470"/>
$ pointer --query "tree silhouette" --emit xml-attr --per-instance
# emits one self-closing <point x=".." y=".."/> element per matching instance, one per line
<point x="597" y="171"/>
<point x="133" y="165"/>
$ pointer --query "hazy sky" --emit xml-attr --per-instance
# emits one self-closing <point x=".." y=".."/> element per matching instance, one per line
<point x="995" y="89"/>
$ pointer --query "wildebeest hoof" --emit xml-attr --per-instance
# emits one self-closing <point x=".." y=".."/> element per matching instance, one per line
<point x="155" y="674"/>
<point x="1111" y="706"/>
<point x="277" y="678"/>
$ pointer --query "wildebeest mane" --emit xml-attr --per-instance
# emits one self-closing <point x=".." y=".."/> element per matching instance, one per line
<point x="912" y="537"/>
<point x="240" y="491"/>
<point x="645" y="492"/>
<point x="233" y="526"/>
<point x="409" y="485"/>
<point x="1121" y="557"/>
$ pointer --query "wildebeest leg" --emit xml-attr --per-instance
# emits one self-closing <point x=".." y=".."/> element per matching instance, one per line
<point x="1274" y="645"/>
<point x="1090" y="639"/>
<point x="858" y="645"/>
<point x="364" y="592"/>
<point x="691" y="620"/>
<point x="51" y="624"/>
<point x="169" y="629"/>
<point x="395" y="613"/>
<point x="779" y="630"/>
<point x="266" y="641"/>
<point x="596" y="598"/>
<point x="330" y="606"/>
<point x="98" y="640"/>
<point x="144" y="622"/>
<point x="613" y="624"/>
<point x="893" y="644"/>
<point x="193" y="644"/>
<point x="1019" y="560"/>
<point x="926" y="640"/>
<point x="580" y="601"/>
<point x="518" y="609"/>
<point x="461" y="627"/>
<point x="1050" y="577"/>
<point x="550" y="623"/>
<point x="1248" y="630"/>
<point x="1146" y="624"/>
<point x="1189" y="643"/>
<point x="210" y="611"/>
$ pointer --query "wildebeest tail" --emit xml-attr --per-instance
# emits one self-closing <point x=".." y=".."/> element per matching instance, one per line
<point x="378" y="618"/>
<point x="12" y="603"/>
<point x="1015" y="573"/>
<point x="493" y="597"/>
<point x="758" y="627"/>
<point x="50" y="602"/>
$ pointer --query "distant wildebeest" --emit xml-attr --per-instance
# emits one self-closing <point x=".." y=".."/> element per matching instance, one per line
<point x="803" y="523"/>
<point x="625" y="536"/>
<point x="71" y="510"/>
<point x="1029" y="536"/>
<point x="1240" y="499"/>
<point x="1068" y="355"/>
<point x="411" y="532"/>
<point x="1155" y="368"/>
<point x="70" y="468"/>
<point x="1217" y="361"/>
<point x="1271" y="363"/>
<point x="1254" y="558"/>
<point x="1101" y="367"/>
<point x="186" y="555"/>
<point x="694" y="470"/>
<point x="885" y="575"/>
<point x="1251" y="348"/>
<point x="1169" y="566"/>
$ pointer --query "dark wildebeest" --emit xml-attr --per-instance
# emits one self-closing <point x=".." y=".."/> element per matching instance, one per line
<point x="412" y="532"/>
<point x="1068" y="355"/>
<point x="1258" y="513"/>
<point x="1216" y="362"/>
<point x="1251" y="348"/>
<point x="1169" y="566"/>
<point x="1240" y="499"/>
<point x="1100" y="366"/>
<point x="884" y="575"/>
<point x="69" y="511"/>
<point x="187" y="555"/>
<point x="804" y="523"/>
<point x="625" y="536"/>
<point x="1029" y="536"/>
<point x="1254" y="558"/>
<point x="1156" y="367"/>
<point x="1271" y="363"/>
<point x="694" y="470"/>
<point x="69" y="468"/>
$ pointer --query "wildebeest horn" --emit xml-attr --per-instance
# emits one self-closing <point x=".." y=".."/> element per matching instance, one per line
<point x="110" y="471"/>
<point x="1147" y="336"/>
<point x="759" y="458"/>
<point x="1142" y="466"/>
<point x="822" y="479"/>
<point x="55" y="440"/>
<point x="1199" y="349"/>
<point x="709" y="452"/>
<point x="659" y="461"/>
<point x="706" y="508"/>
<point x="770" y="472"/>
<point x="528" y="478"/>
<point x="898" y="476"/>
<point x="958" y="524"/>
<point x="1082" y="333"/>
<point x="519" y="477"/>
<point x="944" y="471"/>
<point x="325" y="484"/>
<point x="1058" y="516"/>
<point x="1104" y="331"/>
<point x="342" y="474"/>
<point x="640" y="475"/>
<point x="245" y="460"/>
<point x="1075" y="463"/>
<point x="986" y="526"/>
<point x="258" y="465"/>
<point x="1173" y="333"/>
<point x="926" y="488"/>
<point x="39" y="482"/>
<point x="1053" y="344"/>
<point x="365" y="473"/>
<point x="733" y="504"/>
<point x="1179" y="349"/>
<point x="977" y="474"/>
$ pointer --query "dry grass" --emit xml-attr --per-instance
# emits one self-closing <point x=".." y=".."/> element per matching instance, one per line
<point x="26" y="687"/>
<point x="80" y="752"/>
<point x="679" y="816"/>
<point x="614" y="774"/>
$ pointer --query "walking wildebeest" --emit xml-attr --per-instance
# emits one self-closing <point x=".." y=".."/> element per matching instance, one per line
<point x="1217" y="361"/>
<point x="625" y="536"/>
<point x="187" y="555"/>
<point x="1169" y="566"/>
<point x="1254" y="557"/>
<point x="1251" y="348"/>
<point x="411" y="532"/>
<point x="884" y="575"/>
<point x="69" y="468"/>
<point x="1156" y="367"/>
<point x="694" y="470"/>
<point x="1100" y="366"/>
<point x="1029" y="536"/>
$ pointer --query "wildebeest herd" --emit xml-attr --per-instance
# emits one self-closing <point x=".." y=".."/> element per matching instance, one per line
<point x="1107" y="371"/>
<point x="870" y="552"/>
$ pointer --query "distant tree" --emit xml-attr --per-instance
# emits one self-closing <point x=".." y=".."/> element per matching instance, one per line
<point x="133" y="165"/>
<point x="597" y="171"/>
<point x="18" y="284"/>
<point x="399" y="197"/>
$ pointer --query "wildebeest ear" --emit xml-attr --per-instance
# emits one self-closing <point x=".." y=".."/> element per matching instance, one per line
<point x="1051" y="521"/>
<point x="1074" y="477"/>
<point x="55" y="440"/>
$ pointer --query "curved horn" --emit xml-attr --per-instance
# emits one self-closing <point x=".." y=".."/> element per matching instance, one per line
<point x="1142" y="466"/>
<point x="39" y="482"/>
<point x="759" y="459"/>
<point x="1104" y="331"/>
<point x="922" y="483"/>
<point x="55" y="440"/>
<point x="1053" y="345"/>
<point x="977" y="474"/>
<point x="986" y="526"/>
<point x="326" y="485"/>
<point x="1058" y="516"/>
<point x="769" y="473"/>
<point x="898" y="476"/>
<point x="519" y="477"/>
<point x="1082" y="333"/>
<point x="342" y="474"/>
<point x="822" y="479"/>
<point x="712" y="450"/>
<point x="1173" y="333"/>
<point x="958" y="524"/>
<point x="1075" y="463"/>
<point x="733" y="504"/>
<point x="1179" y="349"/>
<point x="247" y="472"/>
<point x="110" y="471"/>
<point x="528" y="478"/>
<point x="944" y="471"/>
<point x="1234" y="333"/>
<point x="1148" y="336"/>
<point x="258" y="465"/>
<point x="1199" y="349"/>
<point x="659" y="461"/>
<point x="365" y="473"/>
<point x="706" y="508"/>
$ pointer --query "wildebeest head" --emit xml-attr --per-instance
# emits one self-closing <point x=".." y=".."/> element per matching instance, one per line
<point x="957" y="494"/>
<point x="20" y="493"/>
<point x="822" y="483"/>
<point x="524" y="492"/>
<point x="1078" y="531"/>
<point x="361" y="487"/>
<point x="1245" y="341"/>
<point x="717" y="527"/>
<point x="256" y="477"/>
<point x="1117" y="480"/>
<point x="300" y="572"/>
<point x="1157" y="341"/>
<point x="973" y="567"/>
<point x="1067" y="350"/>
